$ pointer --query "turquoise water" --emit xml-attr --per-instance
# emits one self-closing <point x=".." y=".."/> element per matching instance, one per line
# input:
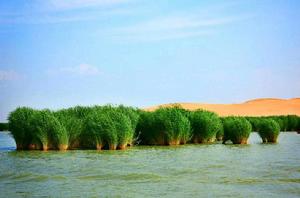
<point x="254" y="170"/>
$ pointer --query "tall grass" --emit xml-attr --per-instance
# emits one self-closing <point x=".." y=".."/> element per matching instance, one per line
<point x="73" y="124"/>
<point x="108" y="127"/>
<point x="99" y="127"/>
<point x="21" y="127"/>
<point x="220" y="132"/>
<point x="292" y="122"/>
<point x="165" y="126"/>
<point x="125" y="120"/>
<point x="255" y="122"/>
<point x="205" y="126"/>
<point x="48" y="132"/>
<point x="236" y="129"/>
<point x="131" y="113"/>
<point x="146" y="131"/>
<point x="269" y="130"/>
<point x="298" y="126"/>
<point x="99" y="132"/>
<point x="282" y="121"/>
<point x="33" y="129"/>
<point x="116" y="127"/>
<point x="285" y="122"/>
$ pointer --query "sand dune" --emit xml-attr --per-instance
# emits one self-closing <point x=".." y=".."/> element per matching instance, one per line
<point x="256" y="107"/>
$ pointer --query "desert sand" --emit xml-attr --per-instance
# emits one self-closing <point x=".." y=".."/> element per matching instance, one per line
<point x="256" y="107"/>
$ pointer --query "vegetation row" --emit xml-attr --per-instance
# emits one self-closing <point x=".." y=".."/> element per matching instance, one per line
<point x="4" y="127"/>
<point x="98" y="127"/>
<point x="116" y="127"/>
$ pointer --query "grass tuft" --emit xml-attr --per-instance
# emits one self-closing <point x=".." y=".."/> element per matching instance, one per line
<point x="205" y="126"/>
<point x="269" y="130"/>
<point x="236" y="129"/>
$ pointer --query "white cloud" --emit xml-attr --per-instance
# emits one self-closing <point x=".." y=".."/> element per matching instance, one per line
<point x="81" y="70"/>
<point x="8" y="75"/>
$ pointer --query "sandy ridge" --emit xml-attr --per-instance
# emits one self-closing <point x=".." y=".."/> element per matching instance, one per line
<point x="255" y="107"/>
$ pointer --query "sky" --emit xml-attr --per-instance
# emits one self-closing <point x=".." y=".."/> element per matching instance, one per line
<point x="61" y="53"/>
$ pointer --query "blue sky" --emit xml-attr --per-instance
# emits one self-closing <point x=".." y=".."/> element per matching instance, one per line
<point x="60" y="53"/>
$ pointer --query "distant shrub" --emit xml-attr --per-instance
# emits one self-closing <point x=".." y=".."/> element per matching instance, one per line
<point x="283" y="122"/>
<point x="220" y="132"/>
<point x="236" y="129"/>
<point x="254" y="121"/>
<point x="269" y="130"/>
<point x="4" y="127"/>
<point x="292" y="122"/>
<point x="286" y="122"/>
<point x="205" y="126"/>
<point x="298" y="126"/>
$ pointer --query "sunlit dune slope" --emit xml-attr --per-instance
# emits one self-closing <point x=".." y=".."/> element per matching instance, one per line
<point x="256" y="107"/>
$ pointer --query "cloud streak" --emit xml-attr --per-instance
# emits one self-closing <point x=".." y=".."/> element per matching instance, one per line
<point x="80" y="70"/>
<point x="173" y="27"/>
<point x="78" y="4"/>
<point x="179" y="25"/>
<point x="7" y="75"/>
<point x="64" y="11"/>
<point x="176" y="22"/>
<point x="161" y="36"/>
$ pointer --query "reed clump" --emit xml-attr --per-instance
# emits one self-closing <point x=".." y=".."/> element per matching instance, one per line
<point x="285" y="122"/>
<point x="97" y="127"/>
<point x="165" y="126"/>
<point x="269" y="130"/>
<point x="236" y="129"/>
<point x="205" y="126"/>
<point x="117" y="127"/>
<point x="34" y="129"/>
<point x="20" y="125"/>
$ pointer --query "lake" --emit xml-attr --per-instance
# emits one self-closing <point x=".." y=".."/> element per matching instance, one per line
<point x="254" y="170"/>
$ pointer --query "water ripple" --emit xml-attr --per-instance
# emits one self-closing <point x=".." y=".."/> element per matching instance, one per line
<point x="216" y="170"/>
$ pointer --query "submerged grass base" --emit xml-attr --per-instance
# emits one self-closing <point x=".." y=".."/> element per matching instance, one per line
<point x="270" y="140"/>
<point x="63" y="147"/>
<point x="220" y="138"/>
<point x="174" y="142"/>
<point x="203" y="141"/>
<point x="122" y="147"/>
<point x="241" y="141"/>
